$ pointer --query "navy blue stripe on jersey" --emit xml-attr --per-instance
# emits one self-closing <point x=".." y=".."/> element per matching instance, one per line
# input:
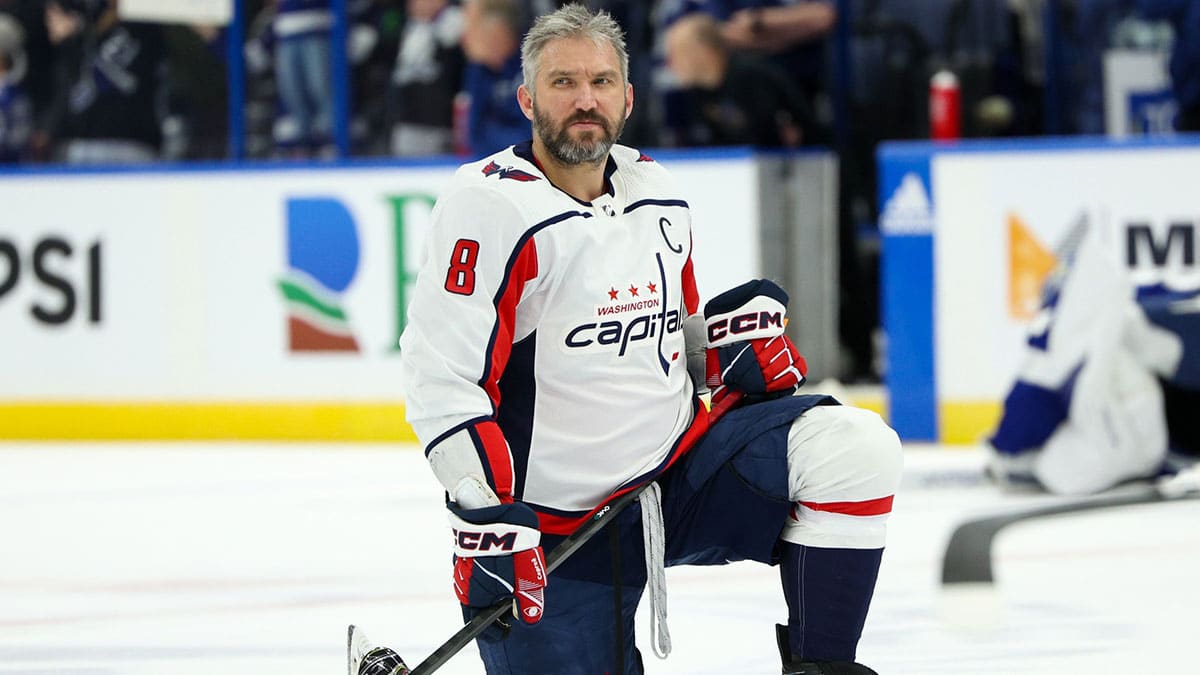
<point x="662" y="317"/>
<point x="508" y="278"/>
<point x="454" y="430"/>
<point x="518" y="393"/>
<point x="525" y="152"/>
<point x="481" y="450"/>
<point x="655" y="202"/>
<point x="610" y="167"/>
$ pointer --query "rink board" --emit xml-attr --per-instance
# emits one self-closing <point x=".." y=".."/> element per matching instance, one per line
<point x="969" y="232"/>
<point x="256" y="301"/>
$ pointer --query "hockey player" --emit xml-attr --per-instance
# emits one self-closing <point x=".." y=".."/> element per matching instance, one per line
<point x="546" y="370"/>
<point x="1110" y="383"/>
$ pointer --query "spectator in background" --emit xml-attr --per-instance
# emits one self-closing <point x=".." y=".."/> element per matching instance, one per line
<point x="38" y="82"/>
<point x="791" y="32"/>
<point x="372" y="41"/>
<point x="427" y="76"/>
<point x="196" y="126"/>
<point x="303" y="72"/>
<point x="108" y="84"/>
<point x="734" y="99"/>
<point x="1087" y="29"/>
<point x="16" y="112"/>
<point x="1184" y="17"/>
<point x="491" y="41"/>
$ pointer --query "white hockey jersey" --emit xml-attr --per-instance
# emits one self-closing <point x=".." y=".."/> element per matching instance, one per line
<point x="547" y="331"/>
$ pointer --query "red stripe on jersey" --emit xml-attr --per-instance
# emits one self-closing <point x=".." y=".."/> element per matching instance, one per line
<point x="524" y="268"/>
<point x="870" y="507"/>
<point x="499" y="459"/>
<point x="564" y="525"/>
<point x="691" y="297"/>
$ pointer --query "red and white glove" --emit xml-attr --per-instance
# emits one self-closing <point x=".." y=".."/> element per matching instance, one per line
<point x="497" y="555"/>
<point x="747" y="349"/>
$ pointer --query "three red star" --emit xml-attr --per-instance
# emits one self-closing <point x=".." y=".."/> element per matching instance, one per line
<point x="613" y="293"/>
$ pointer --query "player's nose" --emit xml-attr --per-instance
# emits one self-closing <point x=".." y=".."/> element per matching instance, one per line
<point x="586" y="99"/>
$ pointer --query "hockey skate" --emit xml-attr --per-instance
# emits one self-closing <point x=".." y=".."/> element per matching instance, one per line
<point x="363" y="658"/>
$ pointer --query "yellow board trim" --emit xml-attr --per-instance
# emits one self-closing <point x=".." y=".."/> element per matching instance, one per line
<point x="960" y="422"/>
<point x="283" y="421"/>
<point x="967" y="422"/>
<point x="876" y="404"/>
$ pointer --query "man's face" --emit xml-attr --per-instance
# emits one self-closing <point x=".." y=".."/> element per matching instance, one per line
<point x="580" y="100"/>
<point x="61" y="24"/>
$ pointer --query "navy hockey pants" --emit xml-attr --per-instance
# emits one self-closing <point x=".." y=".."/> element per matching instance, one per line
<point x="725" y="501"/>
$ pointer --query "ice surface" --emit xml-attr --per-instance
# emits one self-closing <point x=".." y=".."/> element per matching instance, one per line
<point x="247" y="559"/>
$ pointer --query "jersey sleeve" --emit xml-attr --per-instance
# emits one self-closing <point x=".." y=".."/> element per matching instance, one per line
<point x="459" y="334"/>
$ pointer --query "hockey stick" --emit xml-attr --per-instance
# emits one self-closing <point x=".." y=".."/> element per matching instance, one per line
<point x="554" y="559"/>
<point x="968" y="556"/>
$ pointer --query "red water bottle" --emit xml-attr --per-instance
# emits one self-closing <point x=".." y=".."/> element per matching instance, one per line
<point x="945" y="100"/>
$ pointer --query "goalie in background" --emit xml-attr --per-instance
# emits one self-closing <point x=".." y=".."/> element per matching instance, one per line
<point x="1110" y="385"/>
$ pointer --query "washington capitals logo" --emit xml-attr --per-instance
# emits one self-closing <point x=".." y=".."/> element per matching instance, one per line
<point x="508" y="172"/>
<point x="643" y="157"/>
<point x="639" y="313"/>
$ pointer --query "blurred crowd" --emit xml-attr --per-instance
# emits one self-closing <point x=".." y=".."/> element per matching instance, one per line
<point x="80" y="84"/>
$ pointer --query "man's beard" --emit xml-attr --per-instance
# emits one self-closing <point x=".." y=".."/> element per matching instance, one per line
<point x="568" y="151"/>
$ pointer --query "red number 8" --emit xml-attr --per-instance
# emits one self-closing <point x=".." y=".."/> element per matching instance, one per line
<point x="460" y="278"/>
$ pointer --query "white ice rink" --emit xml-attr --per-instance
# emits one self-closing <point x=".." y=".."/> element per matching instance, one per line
<point x="250" y="559"/>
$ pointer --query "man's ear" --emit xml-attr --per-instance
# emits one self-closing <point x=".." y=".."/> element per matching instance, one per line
<point x="525" y="100"/>
<point x="628" y="100"/>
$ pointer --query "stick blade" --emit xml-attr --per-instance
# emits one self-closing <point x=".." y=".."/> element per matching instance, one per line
<point x="968" y="558"/>
<point x="364" y="658"/>
<point x="352" y="658"/>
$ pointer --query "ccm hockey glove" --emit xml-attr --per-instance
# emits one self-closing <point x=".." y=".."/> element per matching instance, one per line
<point x="747" y="350"/>
<point x="497" y="556"/>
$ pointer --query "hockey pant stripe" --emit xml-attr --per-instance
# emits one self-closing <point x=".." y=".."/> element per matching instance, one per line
<point x="869" y="507"/>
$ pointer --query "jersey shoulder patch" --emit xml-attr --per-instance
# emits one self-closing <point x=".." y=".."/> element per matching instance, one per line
<point x="508" y="173"/>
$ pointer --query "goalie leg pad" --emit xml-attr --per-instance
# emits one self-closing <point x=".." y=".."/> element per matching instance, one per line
<point x="1116" y="431"/>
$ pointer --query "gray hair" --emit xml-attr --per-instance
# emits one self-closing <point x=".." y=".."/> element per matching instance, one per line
<point x="573" y="20"/>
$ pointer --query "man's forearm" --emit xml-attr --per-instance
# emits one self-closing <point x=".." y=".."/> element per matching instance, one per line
<point x="774" y="29"/>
